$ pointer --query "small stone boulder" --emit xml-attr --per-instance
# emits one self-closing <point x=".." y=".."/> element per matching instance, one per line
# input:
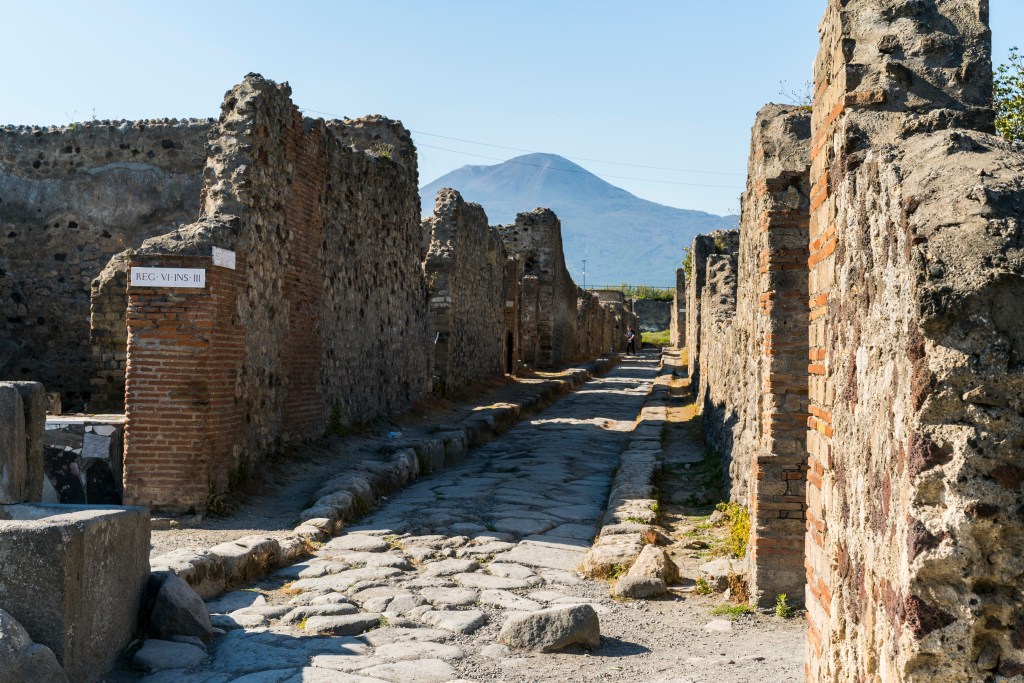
<point x="640" y="587"/>
<point x="553" y="629"/>
<point x="717" y="573"/>
<point x="655" y="563"/>
<point x="21" y="660"/>
<point x="178" y="610"/>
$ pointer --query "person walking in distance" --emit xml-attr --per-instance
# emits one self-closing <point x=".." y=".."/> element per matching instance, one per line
<point x="630" y="340"/>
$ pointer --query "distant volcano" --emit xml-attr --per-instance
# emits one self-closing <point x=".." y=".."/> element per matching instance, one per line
<point x="624" y="238"/>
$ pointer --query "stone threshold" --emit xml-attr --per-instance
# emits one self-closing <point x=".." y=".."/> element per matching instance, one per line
<point x="353" y="492"/>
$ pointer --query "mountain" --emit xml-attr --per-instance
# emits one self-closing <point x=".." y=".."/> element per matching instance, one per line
<point x="625" y="239"/>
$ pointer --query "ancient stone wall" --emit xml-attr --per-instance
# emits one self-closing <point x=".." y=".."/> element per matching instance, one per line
<point x="465" y="268"/>
<point x="70" y="198"/>
<point x="108" y="335"/>
<point x="677" y="324"/>
<point x="719" y="242"/>
<point x="654" y="316"/>
<point x="917" y="374"/>
<point x="320" y="322"/>
<point x="591" y="325"/>
<point x="549" y="315"/>
<point x="512" y="314"/>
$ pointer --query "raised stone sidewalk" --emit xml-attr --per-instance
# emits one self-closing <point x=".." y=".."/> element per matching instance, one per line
<point x="420" y="589"/>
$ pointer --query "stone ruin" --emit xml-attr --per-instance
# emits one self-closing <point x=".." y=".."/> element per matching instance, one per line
<point x="677" y="321"/>
<point x="902" y="521"/>
<point x="324" y="301"/>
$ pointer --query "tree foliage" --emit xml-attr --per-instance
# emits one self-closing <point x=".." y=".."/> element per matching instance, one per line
<point x="1008" y="96"/>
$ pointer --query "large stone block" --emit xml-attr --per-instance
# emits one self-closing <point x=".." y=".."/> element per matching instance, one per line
<point x="35" y="403"/>
<point x="74" y="577"/>
<point x="13" y="466"/>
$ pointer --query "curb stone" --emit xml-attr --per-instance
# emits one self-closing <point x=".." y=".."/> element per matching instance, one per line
<point x="350" y="495"/>
<point x="628" y="523"/>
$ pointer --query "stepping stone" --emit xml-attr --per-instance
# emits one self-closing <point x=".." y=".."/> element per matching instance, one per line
<point x="507" y="600"/>
<point x="459" y="621"/>
<point x="543" y="555"/>
<point x="450" y="567"/>
<point x="418" y="650"/>
<point x="391" y="634"/>
<point x="420" y="671"/>
<point x="510" y="571"/>
<point x="450" y="597"/>
<point x="362" y="542"/>
<point x="343" y="624"/>
<point x="485" y="581"/>
<point x="522" y="526"/>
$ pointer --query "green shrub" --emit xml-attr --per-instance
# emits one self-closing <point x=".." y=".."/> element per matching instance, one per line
<point x="782" y="607"/>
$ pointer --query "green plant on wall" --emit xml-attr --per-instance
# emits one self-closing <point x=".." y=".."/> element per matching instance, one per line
<point x="1008" y="96"/>
<point x="688" y="262"/>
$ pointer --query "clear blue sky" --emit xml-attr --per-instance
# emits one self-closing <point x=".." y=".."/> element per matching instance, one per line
<point x="668" y="83"/>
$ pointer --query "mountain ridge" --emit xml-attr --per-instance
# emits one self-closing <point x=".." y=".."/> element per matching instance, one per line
<point x="624" y="238"/>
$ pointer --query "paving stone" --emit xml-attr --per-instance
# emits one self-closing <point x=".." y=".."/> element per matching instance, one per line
<point x="543" y="555"/>
<point x="418" y="650"/>
<point x="467" y="528"/>
<point x="362" y="542"/>
<point x="450" y="597"/>
<point x="310" y="570"/>
<point x="234" y="601"/>
<point x="486" y="581"/>
<point x="546" y="595"/>
<point x="242" y="652"/>
<point x="420" y="671"/>
<point x="484" y="549"/>
<point x="718" y="626"/>
<point x="359" y="558"/>
<point x="493" y="537"/>
<point x="583" y="532"/>
<point x="450" y="567"/>
<point x="522" y="526"/>
<point x="297" y="614"/>
<point x="345" y="580"/>
<point x="343" y="624"/>
<point x="459" y="621"/>
<point x="510" y="571"/>
<point x="157" y="655"/>
<point x="388" y="634"/>
<point x="549" y="539"/>
<point x="507" y="600"/>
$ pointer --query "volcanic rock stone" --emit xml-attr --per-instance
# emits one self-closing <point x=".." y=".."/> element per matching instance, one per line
<point x="553" y="629"/>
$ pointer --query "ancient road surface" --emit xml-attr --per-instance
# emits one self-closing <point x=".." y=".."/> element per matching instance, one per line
<point x="419" y="590"/>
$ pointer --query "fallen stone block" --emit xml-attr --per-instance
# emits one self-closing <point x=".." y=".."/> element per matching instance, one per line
<point x="654" y="563"/>
<point x="74" y="577"/>
<point x="553" y="629"/>
<point x="21" y="660"/>
<point x="640" y="587"/>
<point x="177" y="610"/>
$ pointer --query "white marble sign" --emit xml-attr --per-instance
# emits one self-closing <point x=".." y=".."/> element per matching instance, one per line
<point x="194" y="278"/>
<point x="223" y="258"/>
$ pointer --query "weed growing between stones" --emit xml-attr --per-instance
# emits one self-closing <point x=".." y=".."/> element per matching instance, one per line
<point x="703" y="587"/>
<point x="737" y="519"/>
<point x="732" y="611"/>
<point x="783" y="609"/>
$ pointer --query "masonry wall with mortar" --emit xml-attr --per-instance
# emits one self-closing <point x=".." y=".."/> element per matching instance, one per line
<point x="322" y="322"/>
<point x="654" y="316"/>
<point x="548" y="293"/>
<point x="70" y="198"/>
<point x="465" y="268"/>
<point x="916" y="373"/>
<point x="677" y="324"/>
<point x="703" y="246"/>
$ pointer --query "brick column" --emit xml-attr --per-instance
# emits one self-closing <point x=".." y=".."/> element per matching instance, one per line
<point x="185" y="352"/>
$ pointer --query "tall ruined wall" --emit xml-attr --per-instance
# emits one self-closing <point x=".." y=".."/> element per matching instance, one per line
<point x="917" y="375"/>
<point x="549" y="301"/>
<point x="108" y="335"/>
<point x="512" y="314"/>
<point x="465" y="269"/>
<point x="677" y="324"/>
<point x="718" y="242"/>
<point x="70" y="198"/>
<point x="321" y="321"/>
<point x="654" y="316"/>
<point x="773" y="301"/>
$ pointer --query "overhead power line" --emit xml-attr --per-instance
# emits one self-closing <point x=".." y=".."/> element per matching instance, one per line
<point x="556" y="168"/>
